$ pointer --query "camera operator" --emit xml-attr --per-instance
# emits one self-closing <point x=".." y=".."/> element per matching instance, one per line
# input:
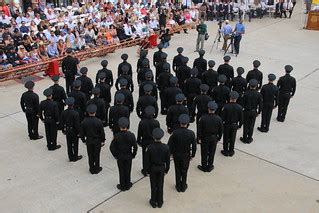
<point x="227" y="31"/>
<point x="238" y="32"/>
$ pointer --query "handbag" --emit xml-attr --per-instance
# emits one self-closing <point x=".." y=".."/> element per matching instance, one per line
<point x="206" y="36"/>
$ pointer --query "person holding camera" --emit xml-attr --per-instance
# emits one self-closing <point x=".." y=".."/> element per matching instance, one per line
<point x="227" y="33"/>
<point x="238" y="32"/>
<point x="202" y="30"/>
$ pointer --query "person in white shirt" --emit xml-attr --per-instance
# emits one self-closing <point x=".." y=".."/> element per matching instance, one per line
<point x="154" y="24"/>
<point x="4" y="18"/>
<point x="50" y="14"/>
<point x="37" y="19"/>
<point x="128" y="30"/>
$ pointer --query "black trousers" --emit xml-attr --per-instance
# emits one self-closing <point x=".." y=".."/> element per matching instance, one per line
<point x="229" y="137"/>
<point x="106" y="120"/>
<point x="33" y="122"/>
<point x="163" y="102"/>
<point x="266" y="116"/>
<point x="283" y="103"/>
<point x="208" y="149"/>
<point x="73" y="145"/>
<point x="94" y="150"/>
<point x="125" y="166"/>
<point x="237" y="40"/>
<point x="249" y="123"/>
<point x="68" y="83"/>
<point x="181" y="168"/>
<point x="51" y="132"/>
<point x="157" y="183"/>
<point x="144" y="157"/>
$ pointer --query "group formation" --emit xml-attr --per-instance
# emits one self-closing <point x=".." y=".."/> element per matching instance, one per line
<point x="217" y="101"/>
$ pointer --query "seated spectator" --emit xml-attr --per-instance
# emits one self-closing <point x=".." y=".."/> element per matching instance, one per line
<point x="61" y="47"/>
<point x="24" y="55"/>
<point x="52" y="49"/>
<point x="27" y="42"/>
<point x="4" y="64"/>
<point x="154" y="24"/>
<point x="42" y="52"/>
<point x="33" y="27"/>
<point x="13" y="57"/>
<point x="34" y="55"/>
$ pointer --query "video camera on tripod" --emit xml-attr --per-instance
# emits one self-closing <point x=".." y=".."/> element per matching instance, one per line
<point x="218" y="35"/>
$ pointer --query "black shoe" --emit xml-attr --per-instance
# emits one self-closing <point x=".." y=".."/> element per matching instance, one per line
<point x="231" y="154"/>
<point x="78" y="158"/>
<point x="92" y="171"/>
<point x="57" y="147"/>
<point x="37" y="138"/>
<point x="178" y="189"/>
<point x="159" y="205"/>
<point x="144" y="172"/>
<point x="280" y="119"/>
<point x="152" y="204"/>
<point x="243" y="140"/>
<point x="224" y="153"/>
<point x="249" y="140"/>
<point x="184" y="188"/>
<point x="129" y="186"/>
<point x="120" y="187"/>
<point x="201" y="168"/>
<point x="261" y="129"/>
<point x="210" y="168"/>
<point x="98" y="170"/>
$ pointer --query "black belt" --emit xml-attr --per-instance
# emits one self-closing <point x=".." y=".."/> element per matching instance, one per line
<point x="48" y="117"/>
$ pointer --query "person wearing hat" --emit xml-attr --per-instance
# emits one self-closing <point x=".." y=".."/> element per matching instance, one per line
<point x="70" y="123"/>
<point x="148" y="80"/>
<point x="80" y="98"/>
<point x="146" y="100"/>
<point x="177" y="60"/>
<point x="29" y="103"/>
<point x="126" y="76"/>
<point x="182" y="145"/>
<point x="227" y="70"/>
<point x="144" y="132"/>
<point x="99" y="103"/>
<point x="143" y="56"/>
<point x="157" y="164"/>
<point x="287" y="89"/>
<point x="49" y="114"/>
<point x="124" y="148"/>
<point x="108" y="73"/>
<point x="209" y="132"/>
<point x="232" y="116"/>
<point x="220" y="94"/>
<point x="239" y="84"/>
<point x="183" y="72"/>
<point x="69" y="68"/>
<point x="202" y="30"/>
<point x="210" y="77"/>
<point x="269" y="93"/>
<point x="93" y="135"/>
<point x="59" y="94"/>
<point x="171" y="92"/>
<point x="252" y="104"/>
<point x="163" y="84"/>
<point x="86" y="83"/>
<point x="200" y="63"/>
<point x="255" y="74"/>
<point x="157" y="55"/>
<point x="105" y="94"/>
<point x="162" y="66"/>
<point x="174" y="112"/>
<point x="124" y="57"/>
<point x="192" y="88"/>
<point x="117" y="111"/>
<point x="127" y="94"/>
<point x="144" y="69"/>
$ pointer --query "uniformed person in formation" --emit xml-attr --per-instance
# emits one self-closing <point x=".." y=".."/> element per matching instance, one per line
<point x="174" y="112"/>
<point x="148" y="80"/>
<point x="200" y="63"/>
<point x="252" y="104"/>
<point x="157" y="55"/>
<point x="210" y="77"/>
<point x="86" y="83"/>
<point x="220" y="94"/>
<point x="239" y="84"/>
<point x="105" y="94"/>
<point x="232" y="115"/>
<point x="126" y="76"/>
<point x="108" y="73"/>
<point x="287" y="89"/>
<point x="49" y="114"/>
<point x="123" y="148"/>
<point x="59" y="94"/>
<point x="163" y="84"/>
<point x="99" y="103"/>
<point x="269" y="93"/>
<point x="227" y="70"/>
<point x="30" y="106"/>
<point x="92" y="134"/>
<point x="79" y="97"/>
<point x="124" y="57"/>
<point x="177" y="60"/>
<point x="182" y="145"/>
<point x="183" y="72"/>
<point x="191" y="87"/>
<point x="160" y="67"/>
<point x="255" y="74"/>
<point x="157" y="164"/>
<point x="69" y="68"/>
<point x="117" y="111"/>
<point x="143" y="56"/>
<point x="70" y="123"/>
<point x="171" y="92"/>
<point x="145" y="101"/>
<point x="144" y="69"/>
<point x="128" y="101"/>
<point x="144" y="132"/>
<point x="209" y="131"/>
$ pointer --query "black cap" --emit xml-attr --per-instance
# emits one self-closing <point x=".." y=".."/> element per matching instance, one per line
<point x="211" y="63"/>
<point x="123" y="82"/>
<point x="185" y="60"/>
<point x="240" y="70"/>
<point x="256" y="63"/>
<point x="157" y="133"/>
<point x="104" y="63"/>
<point x="212" y="105"/>
<point x="149" y="110"/>
<point x="148" y="88"/>
<point x="183" y="119"/>
<point x="180" y="97"/>
<point x="149" y="74"/>
<point x="271" y="77"/>
<point x="204" y="87"/>
<point x="253" y="83"/>
<point x="160" y="46"/>
<point x="201" y="52"/>
<point x="102" y="75"/>
<point x="233" y="95"/>
<point x="55" y="78"/>
<point x="29" y="84"/>
<point x="48" y="92"/>
<point x="163" y="56"/>
<point x="123" y="122"/>
<point x="288" y="68"/>
<point x="166" y="66"/>
<point x="180" y="49"/>
<point x="145" y="62"/>
<point x="69" y="50"/>
<point x="194" y="71"/>
<point x="227" y="58"/>
<point x="96" y="90"/>
<point x="84" y="70"/>
<point x="91" y="108"/>
<point x="77" y="83"/>
<point x="143" y="53"/>
<point x="125" y="69"/>
<point x="119" y="97"/>
<point x="124" y="56"/>
<point x="222" y="78"/>
<point x="69" y="101"/>
<point x="173" y="80"/>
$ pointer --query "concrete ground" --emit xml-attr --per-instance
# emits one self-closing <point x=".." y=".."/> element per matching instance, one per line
<point x="278" y="172"/>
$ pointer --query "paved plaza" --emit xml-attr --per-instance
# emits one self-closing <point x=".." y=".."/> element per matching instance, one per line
<point x="278" y="172"/>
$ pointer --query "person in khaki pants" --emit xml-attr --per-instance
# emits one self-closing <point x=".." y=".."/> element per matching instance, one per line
<point x="202" y="30"/>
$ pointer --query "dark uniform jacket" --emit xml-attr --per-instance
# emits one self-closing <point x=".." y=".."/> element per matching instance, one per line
<point x="92" y="131"/>
<point x="210" y="125"/>
<point x="86" y="86"/>
<point x="170" y="95"/>
<point x="227" y="70"/>
<point x="49" y="111"/>
<point x="182" y="143"/>
<point x="157" y="57"/>
<point x="238" y="84"/>
<point x="130" y="84"/>
<point x="220" y="94"/>
<point x="59" y="94"/>
<point x="108" y="78"/>
<point x="257" y="75"/>
<point x="191" y="87"/>
<point x="200" y="102"/>
<point x="29" y="102"/>
<point x="69" y="66"/>
<point x="201" y="64"/>
<point x="79" y="101"/>
<point x="269" y="93"/>
<point x="100" y="104"/>
<point x="232" y="113"/>
<point x="210" y="77"/>
<point x="105" y="92"/>
<point x="70" y="121"/>
<point x="116" y="112"/>
<point x="173" y="113"/>
<point x="252" y="100"/>
<point x="183" y="73"/>
<point x="287" y="85"/>
<point x="128" y="98"/>
<point x="157" y="157"/>
<point x="143" y="102"/>
<point x="177" y="62"/>
<point x="163" y="81"/>
<point x="119" y="69"/>
<point x="123" y="145"/>
<point x="145" y="128"/>
<point x="154" y="91"/>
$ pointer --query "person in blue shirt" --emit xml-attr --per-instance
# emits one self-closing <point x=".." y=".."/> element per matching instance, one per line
<point x="227" y="31"/>
<point x="239" y="31"/>
<point x="53" y="49"/>
<point x="23" y="28"/>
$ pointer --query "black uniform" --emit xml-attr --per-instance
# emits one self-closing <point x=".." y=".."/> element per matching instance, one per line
<point x="183" y="73"/>
<point x="154" y="91"/>
<point x="163" y="84"/>
<point x="239" y="84"/>
<point x="177" y="62"/>
<point x="269" y="94"/>
<point x="173" y="113"/>
<point x="69" y="69"/>
<point x="191" y="90"/>
<point x="255" y="74"/>
<point x="123" y="147"/>
<point x="92" y="133"/>
<point x="121" y="65"/>
<point x="170" y="94"/>
<point x="220" y="94"/>
<point x="159" y="70"/>
<point x="232" y="114"/>
<point x="59" y="96"/>
<point x="130" y="84"/>
<point x="70" y="123"/>
<point x="30" y="106"/>
<point x="209" y="132"/>
<point x="141" y="74"/>
<point x="287" y="89"/>
<point x="139" y="65"/>
<point x="228" y="71"/>
<point x="201" y="64"/>
<point x="182" y="145"/>
<point x="116" y="112"/>
<point x="157" y="57"/>
<point x="86" y="86"/>
<point x="128" y="98"/>
<point x="80" y="102"/>
<point x="49" y="114"/>
<point x="200" y="103"/>
<point x="108" y="74"/>
<point x="105" y="94"/>
<point x="101" y="109"/>
<point x="143" y="102"/>
<point x="210" y="77"/>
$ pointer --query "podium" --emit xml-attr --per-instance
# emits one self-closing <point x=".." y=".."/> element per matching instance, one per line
<point x="313" y="20"/>
<point x="53" y="68"/>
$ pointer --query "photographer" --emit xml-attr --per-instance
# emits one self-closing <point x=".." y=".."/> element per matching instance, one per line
<point x="227" y="32"/>
<point x="202" y="30"/>
<point x="238" y="32"/>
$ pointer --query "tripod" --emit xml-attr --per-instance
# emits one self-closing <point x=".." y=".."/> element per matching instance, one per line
<point x="230" y="44"/>
<point x="217" y="39"/>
